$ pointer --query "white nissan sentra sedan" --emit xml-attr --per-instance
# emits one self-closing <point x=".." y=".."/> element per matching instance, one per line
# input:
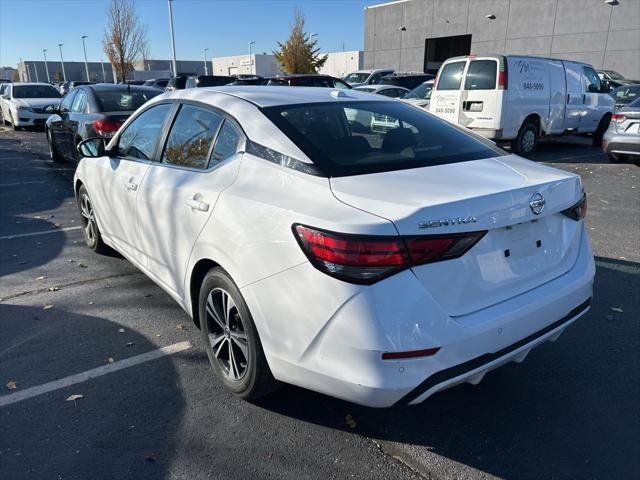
<point x="377" y="266"/>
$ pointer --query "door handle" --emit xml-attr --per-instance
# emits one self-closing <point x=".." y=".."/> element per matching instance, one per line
<point x="198" y="205"/>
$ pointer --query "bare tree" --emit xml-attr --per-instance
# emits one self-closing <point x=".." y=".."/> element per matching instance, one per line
<point x="125" y="38"/>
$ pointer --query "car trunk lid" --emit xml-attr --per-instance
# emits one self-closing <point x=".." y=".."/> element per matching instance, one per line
<point x="520" y="251"/>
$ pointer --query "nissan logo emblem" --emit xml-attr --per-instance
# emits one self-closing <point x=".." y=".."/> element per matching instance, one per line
<point x="537" y="203"/>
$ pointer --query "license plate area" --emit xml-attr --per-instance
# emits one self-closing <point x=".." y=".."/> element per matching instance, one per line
<point x="523" y="240"/>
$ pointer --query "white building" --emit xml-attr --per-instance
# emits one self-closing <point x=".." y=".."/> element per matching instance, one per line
<point x="338" y="64"/>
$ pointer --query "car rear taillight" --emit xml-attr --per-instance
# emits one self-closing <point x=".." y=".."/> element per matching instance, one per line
<point x="106" y="128"/>
<point x="579" y="210"/>
<point x="616" y="117"/>
<point x="502" y="80"/>
<point x="366" y="259"/>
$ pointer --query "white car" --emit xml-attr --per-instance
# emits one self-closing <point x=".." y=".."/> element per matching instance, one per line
<point x="421" y="95"/>
<point x="391" y="91"/>
<point x="25" y="104"/>
<point x="366" y="77"/>
<point x="377" y="267"/>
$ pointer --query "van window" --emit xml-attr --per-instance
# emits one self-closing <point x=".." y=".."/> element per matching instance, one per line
<point x="451" y="76"/>
<point x="481" y="75"/>
<point x="593" y="80"/>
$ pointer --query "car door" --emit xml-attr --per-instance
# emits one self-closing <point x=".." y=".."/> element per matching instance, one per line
<point x="179" y="193"/>
<point x="446" y="98"/>
<point x="57" y="125"/>
<point x="116" y="180"/>
<point x="575" y="96"/>
<point x="4" y="103"/>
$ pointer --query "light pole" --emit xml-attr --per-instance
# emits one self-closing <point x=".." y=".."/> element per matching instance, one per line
<point x="102" y="65"/>
<point x="250" y="60"/>
<point x="86" y="65"/>
<point x="35" y="69"/>
<point x="401" y="29"/>
<point x="173" y="40"/>
<point x="64" y="74"/>
<point x="206" y="70"/>
<point x="46" y="66"/>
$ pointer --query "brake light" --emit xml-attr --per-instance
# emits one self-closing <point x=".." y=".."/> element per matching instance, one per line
<point x="366" y="259"/>
<point x="106" y="128"/>
<point x="579" y="210"/>
<point x="502" y="80"/>
<point x="616" y="117"/>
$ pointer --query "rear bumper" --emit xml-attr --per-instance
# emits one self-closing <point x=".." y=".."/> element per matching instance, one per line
<point x="330" y="338"/>
<point x="491" y="133"/>
<point x="613" y="143"/>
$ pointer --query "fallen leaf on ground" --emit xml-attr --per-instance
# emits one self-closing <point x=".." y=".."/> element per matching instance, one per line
<point x="121" y="330"/>
<point x="91" y="303"/>
<point x="42" y="277"/>
<point x="53" y="289"/>
<point x="110" y="360"/>
<point x="180" y="327"/>
<point x="11" y="385"/>
<point x="74" y="397"/>
<point x="47" y="307"/>
<point x="82" y="265"/>
<point x="350" y="421"/>
<point x="616" y="309"/>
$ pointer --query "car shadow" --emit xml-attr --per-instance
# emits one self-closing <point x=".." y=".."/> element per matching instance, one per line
<point x="568" y="411"/>
<point x="125" y="422"/>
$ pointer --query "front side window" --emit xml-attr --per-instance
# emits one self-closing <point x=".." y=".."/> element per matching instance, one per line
<point x="354" y="138"/>
<point x="593" y="80"/>
<point x="67" y="101"/>
<point x="451" y="76"/>
<point x="481" y="75"/>
<point x="339" y="84"/>
<point x="421" y="92"/>
<point x="140" y="137"/>
<point x="191" y="137"/>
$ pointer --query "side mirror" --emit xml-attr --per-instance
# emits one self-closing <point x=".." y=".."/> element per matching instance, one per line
<point x="606" y="86"/>
<point x="92" y="147"/>
<point x="593" y="88"/>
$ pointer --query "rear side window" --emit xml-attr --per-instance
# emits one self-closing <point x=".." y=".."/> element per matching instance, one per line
<point x="80" y="102"/>
<point x="191" y="137"/>
<point x="481" y="75"/>
<point x="451" y="76"/>
<point x="226" y="143"/>
<point x="355" y="138"/>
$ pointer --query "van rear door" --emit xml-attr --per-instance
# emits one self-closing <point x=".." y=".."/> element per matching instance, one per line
<point x="482" y="96"/>
<point x="446" y="96"/>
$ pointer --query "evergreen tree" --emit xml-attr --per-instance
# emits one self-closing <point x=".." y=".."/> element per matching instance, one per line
<point x="299" y="53"/>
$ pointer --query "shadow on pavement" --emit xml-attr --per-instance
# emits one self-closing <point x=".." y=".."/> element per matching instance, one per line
<point x="569" y="411"/>
<point x="124" y="425"/>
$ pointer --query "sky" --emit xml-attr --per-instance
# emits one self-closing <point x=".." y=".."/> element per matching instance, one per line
<point x="223" y="26"/>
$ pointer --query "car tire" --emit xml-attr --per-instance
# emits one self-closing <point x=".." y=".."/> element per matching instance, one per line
<point x="599" y="133"/>
<point x="527" y="140"/>
<point x="90" y="230"/>
<point x="230" y="338"/>
<point x="53" y="153"/>
<point x="14" y="127"/>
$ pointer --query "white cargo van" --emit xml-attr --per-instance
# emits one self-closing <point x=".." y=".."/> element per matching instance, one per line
<point x="518" y="99"/>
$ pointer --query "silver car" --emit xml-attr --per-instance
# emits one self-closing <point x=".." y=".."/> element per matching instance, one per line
<point x="621" y="141"/>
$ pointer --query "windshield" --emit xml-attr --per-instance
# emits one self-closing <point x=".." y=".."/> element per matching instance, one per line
<point x="356" y="77"/>
<point x="422" y="92"/>
<point x="116" y="101"/>
<point x="354" y="138"/>
<point x="626" y="94"/>
<point x="35" y="91"/>
<point x="614" y="75"/>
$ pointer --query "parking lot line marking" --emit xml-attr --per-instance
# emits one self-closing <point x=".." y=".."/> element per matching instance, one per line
<point x="45" y="232"/>
<point x="93" y="373"/>
<point x="15" y="184"/>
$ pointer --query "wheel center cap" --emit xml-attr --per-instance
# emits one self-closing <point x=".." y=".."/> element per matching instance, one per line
<point x="227" y="333"/>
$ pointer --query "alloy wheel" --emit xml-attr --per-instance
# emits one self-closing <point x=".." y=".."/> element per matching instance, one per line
<point x="227" y="334"/>
<point x="528" y="141"/>
<point x="88" y="219"/>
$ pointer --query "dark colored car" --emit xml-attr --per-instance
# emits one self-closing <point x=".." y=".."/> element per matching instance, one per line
<point x="67" y="86"/>
<point x="179" y="82"/>
<point x="5" y="80"/>
<point x="625" y="95"/>
<point x="160" y="83"/>
<point x="244" y="79"/>
<point x="208" y="81"/>
<point x="408" y="80"/>
<point x="615" y="79"/>
<point x="308" y="80"/>
<point x="91" y="111"/>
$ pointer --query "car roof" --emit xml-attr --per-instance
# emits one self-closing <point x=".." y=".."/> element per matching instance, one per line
<point x="304" y="75"/>
<point x="102" y="87"/>
<point x="20" y="84"/>
<point x="270" y="96"/>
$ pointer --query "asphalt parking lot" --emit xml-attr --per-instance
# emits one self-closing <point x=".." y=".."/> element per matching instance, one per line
<point x="150" y="407"/>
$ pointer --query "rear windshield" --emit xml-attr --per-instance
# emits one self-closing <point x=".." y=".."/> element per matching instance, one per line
<point x="115" y="101"/>
<point x="627" y="93"/>
<point x="35" y="91"/>
<point x="354" y="138"/>
<point x="451" y="76"/>
<point x="481" y="75"/>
